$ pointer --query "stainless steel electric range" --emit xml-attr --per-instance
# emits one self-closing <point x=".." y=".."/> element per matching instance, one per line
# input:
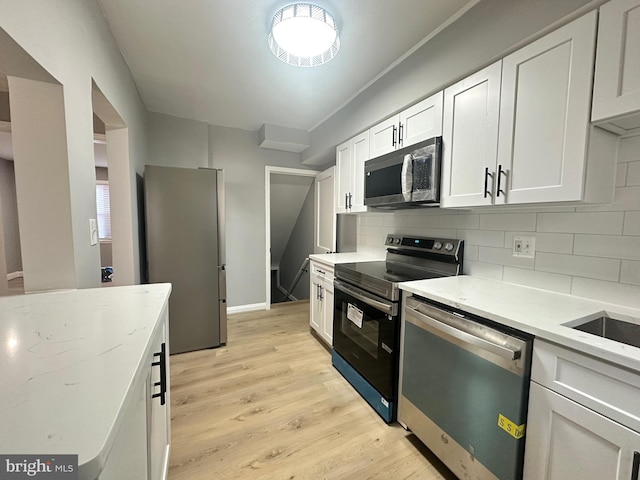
<point x="366" y="321"/>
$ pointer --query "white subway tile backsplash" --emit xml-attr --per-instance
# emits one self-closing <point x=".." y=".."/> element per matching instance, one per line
<point x="503" y="256"/>
<point x="483" y="270"/>
<point x="536" y="279"/>
<point x="481" y="237"/>
<point x="630" y="272"/>
<point x="596" y="222"/>
<point x="590" y="267"/>
<point x="631" y="223"/>
<point x="633" y="174"/>
<point x="470" y="252"/>
<point x="609" y="292"/>
<point x="608" y="246"/>
<point x="415" y="221"/>
<point x="621" y="174"/>
<point x="430" y="232"/>
<point x="545" y="242"/>
<point x="626" y="198"/>
<point x="467" y="221"/>
<point x="509" y="221"/>
<point x="629" y="149"/>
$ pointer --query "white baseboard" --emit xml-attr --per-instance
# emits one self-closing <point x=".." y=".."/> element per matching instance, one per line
<point x="247" y="308"/>
<point x="14" y="275"/>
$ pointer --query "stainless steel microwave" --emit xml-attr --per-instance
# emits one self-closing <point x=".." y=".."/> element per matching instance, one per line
<point x="405" y="178"/>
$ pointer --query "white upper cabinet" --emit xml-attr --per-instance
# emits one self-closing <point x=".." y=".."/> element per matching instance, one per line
<point x="350" y="158"/>
<point x="383" y="138"/>
<point x="413" y="125"/>
<point x="518" y="132"/>
<point x="470" y="139"/>
<point x="544" y="116"/>
<point x="421" y="121"/>
<point x="616" y="93"/>
<point x="325" y="229"/>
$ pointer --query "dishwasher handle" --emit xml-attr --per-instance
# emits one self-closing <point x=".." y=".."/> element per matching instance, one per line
<point x="445" y="330"/>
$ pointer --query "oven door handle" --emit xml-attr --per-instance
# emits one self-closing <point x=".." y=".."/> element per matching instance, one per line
<point x="447" y="331"/>
<point x="388" y="308"/>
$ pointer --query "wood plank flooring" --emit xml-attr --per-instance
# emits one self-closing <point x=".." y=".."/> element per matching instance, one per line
<point x="269" y="405"/>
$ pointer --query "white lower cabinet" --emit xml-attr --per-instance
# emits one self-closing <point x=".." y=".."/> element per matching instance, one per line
<point x="566" y="439"/>
<point x="141" y="446"/>
<point x="158" y="412"/>
<point x="321" y="301"/>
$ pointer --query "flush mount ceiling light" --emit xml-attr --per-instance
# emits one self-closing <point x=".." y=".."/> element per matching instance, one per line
<point x="304" y="35"/>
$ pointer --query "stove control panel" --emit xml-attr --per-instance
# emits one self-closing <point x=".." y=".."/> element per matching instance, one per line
<point x="424" y="244"/>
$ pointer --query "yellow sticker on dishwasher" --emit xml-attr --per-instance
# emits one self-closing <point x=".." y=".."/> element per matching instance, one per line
<point x="516" y="431"/>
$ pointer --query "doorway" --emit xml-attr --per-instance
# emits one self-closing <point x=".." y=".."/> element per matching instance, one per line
<point x="289" y="219"/>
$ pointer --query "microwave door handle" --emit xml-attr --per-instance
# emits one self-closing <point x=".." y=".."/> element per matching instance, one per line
<point x="406" y="179"/>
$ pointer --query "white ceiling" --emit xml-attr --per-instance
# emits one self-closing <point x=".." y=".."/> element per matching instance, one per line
<point x="208" y="60"/>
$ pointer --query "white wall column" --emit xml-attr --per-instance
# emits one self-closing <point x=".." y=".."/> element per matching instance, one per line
<point x="122" y="206"/>
<point x="42" y="184"/>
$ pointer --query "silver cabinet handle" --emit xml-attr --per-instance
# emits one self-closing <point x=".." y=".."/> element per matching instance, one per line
<point x="442" y="329"/>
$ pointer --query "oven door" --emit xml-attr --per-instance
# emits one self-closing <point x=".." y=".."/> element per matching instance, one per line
<point x="366" y="335"/>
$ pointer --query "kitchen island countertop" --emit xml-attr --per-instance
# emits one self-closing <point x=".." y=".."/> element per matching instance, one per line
<point x="68" y="360"/>
<point x="538" y="312"/>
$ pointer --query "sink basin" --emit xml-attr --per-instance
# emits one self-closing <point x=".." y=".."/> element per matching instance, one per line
<point x="612" y="329"/>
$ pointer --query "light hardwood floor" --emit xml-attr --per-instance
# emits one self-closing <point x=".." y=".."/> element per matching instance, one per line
<point x="269" y="405"/>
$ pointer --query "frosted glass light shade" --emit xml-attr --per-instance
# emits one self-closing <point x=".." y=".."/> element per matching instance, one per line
<point x="303" y="34"/>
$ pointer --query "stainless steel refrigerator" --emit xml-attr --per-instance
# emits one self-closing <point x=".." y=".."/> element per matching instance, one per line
<point x="184" y="210"/>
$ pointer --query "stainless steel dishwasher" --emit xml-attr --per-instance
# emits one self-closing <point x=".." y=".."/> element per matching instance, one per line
<point x="464" y="386"/>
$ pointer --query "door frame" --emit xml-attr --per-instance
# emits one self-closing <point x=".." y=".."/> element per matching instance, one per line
<point x="268" y="171"/>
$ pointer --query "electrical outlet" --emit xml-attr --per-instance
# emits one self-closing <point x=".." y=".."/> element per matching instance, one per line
<point x="93" y="232"/>
<point x="524" y="247"/>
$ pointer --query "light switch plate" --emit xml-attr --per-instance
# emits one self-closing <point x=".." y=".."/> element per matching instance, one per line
<point x="93" y="231"/>
<point x="524" y="247"/>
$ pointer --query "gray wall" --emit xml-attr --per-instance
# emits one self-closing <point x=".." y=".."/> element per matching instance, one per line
<point x="182" y="143"/>
<point x="481" y="36"/>
<point x="299" y="246"/>
<point x="71" y="40"/>
<point x="10" y="216"/>
<point x="238" y="153"/>
<point x="102" y="174"/>
<point x="177" y="142"/>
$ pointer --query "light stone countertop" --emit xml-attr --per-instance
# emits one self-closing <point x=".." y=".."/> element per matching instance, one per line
<point x="534" y="311"/>
<point x="67" y="362"/>
<point x="332" y="259"/>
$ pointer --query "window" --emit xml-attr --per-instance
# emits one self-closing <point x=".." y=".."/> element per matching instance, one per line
<point x="103" y="204"/>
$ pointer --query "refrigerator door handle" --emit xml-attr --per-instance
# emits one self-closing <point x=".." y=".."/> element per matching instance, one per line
<point x="222" y="295"/>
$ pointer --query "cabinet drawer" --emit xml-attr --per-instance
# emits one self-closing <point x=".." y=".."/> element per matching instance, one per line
<point x="606" y="388"/>
<point x="321" y="270"/>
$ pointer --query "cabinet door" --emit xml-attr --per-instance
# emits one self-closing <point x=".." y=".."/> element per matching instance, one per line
<point x="359" y="155"/>
<point x="383" y="138"/>
<point x="421" y="121"/>
<point x="327" y="314"/>
<point x="617" y="80"/>
<point x="159" y="418"/>
<point x="544" y="115"/>
<point x="325" y="218"/>
<point x="315" y="304"/>
<point x="470" y="139"/>
<point x="568" y="441"/>
<point x="344" y="167"/>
